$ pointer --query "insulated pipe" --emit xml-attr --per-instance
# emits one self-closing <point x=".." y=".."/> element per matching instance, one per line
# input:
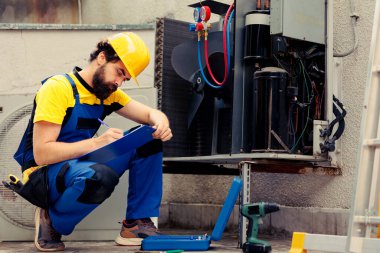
<point x="80" y="21"/>
<point x="266" y="5"/>
<point x="258" y="5"/>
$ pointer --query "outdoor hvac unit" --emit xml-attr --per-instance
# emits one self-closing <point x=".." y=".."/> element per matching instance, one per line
<point x="278" y="96"/>
<point x="16" y="214"/>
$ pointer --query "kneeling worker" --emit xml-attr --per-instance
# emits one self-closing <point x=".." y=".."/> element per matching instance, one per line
<point x="63" y="122"/>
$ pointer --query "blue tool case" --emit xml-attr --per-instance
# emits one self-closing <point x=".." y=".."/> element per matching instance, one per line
<point x="197" y="242"/>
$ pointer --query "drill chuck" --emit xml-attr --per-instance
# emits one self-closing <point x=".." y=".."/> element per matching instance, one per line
<point x="271" y="208"/>
<point x="260" y="209"/>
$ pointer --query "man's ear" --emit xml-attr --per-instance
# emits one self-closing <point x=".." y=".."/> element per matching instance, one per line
<point x="101" y="58"/>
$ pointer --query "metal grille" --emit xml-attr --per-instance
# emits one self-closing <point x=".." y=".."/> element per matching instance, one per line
<point x="13" y="207"/>
<point x="173" y="92"/>
<point x="158" y="61"/>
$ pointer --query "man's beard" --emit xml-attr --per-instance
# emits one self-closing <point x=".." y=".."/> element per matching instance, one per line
<point x="102" y="89"/>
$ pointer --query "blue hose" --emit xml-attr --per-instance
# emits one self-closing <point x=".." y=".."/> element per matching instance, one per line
<point x="228" y="54"/>
<point x="201" y="68"/>
<point x="228" y="38"/>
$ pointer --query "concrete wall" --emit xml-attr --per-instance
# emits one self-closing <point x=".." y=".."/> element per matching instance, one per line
<point x="28" y="56"/>
<point x="136" y="12"/>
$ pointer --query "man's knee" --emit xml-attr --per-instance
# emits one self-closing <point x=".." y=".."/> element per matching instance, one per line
<point x="100" y="186"/>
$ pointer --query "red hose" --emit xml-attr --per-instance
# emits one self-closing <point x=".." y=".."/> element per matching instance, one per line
<point x="224" y="50"/>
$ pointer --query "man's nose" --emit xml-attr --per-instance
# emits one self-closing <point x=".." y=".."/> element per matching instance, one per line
<point x="119" y="82"/>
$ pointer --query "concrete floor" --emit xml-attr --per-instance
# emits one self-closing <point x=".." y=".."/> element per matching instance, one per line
<point x="228" y="243"/>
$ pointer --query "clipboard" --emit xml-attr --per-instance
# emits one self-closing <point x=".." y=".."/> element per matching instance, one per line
<point x="131" y="140"/>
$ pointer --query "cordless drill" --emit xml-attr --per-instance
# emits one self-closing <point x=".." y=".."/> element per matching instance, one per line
<point x="254" y="212"/>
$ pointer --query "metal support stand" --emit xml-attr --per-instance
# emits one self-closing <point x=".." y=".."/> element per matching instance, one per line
<point x="245" y="174"/>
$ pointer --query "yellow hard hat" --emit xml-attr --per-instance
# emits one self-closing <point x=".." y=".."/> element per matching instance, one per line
<point x="132" y="51"/>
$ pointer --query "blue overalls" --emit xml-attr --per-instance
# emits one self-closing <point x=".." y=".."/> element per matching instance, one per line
<point x="78" y="187"/>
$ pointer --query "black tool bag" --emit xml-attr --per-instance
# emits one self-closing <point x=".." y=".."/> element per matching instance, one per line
<point x="35" y="190"/>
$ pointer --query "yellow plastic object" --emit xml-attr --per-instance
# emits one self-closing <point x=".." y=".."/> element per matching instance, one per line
<point x="26" y="173"/>
<point x="132" y="51"/>
<point x="298" y="241"/>
<point x="378" y="227"/>
<point x="14" y="179"/>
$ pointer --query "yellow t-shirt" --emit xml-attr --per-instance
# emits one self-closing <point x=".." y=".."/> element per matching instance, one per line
<point x="56" y="95"/>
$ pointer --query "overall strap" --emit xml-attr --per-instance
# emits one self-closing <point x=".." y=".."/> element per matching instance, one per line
<point x="75" y="90"/>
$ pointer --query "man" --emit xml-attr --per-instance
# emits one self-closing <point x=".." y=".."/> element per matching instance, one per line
<point x="64" y="120"/>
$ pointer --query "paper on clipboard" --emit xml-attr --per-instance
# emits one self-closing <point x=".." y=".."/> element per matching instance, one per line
<point x="131" y="140"/>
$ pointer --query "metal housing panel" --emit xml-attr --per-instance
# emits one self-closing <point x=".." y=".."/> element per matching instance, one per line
<point x="276" y="17"/>
<point x="303" y="20"/>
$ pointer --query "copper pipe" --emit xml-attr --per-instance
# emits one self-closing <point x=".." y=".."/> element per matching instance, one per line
<point x="266" y="5"/>
<point x="258" y="4"/>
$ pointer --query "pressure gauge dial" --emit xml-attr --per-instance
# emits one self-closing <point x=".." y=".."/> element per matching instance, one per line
<point x="197" y="16"/>
<point x="205" y="13"/>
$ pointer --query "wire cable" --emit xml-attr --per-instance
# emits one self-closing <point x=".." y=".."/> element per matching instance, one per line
<point x="354" y="17"/>
<point x="308" y="106"/>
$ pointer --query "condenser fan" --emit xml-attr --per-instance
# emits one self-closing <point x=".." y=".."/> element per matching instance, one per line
<point x="184" y="56"/>
<point x="184" y="60"/>
<point x="13" y="207"/>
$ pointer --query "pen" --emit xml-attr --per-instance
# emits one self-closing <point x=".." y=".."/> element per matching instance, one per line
<point x="103" y="123"/>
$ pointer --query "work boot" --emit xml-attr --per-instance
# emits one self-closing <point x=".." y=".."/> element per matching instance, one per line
<point x="134" y="231"/>
<point x="46" y="238"/>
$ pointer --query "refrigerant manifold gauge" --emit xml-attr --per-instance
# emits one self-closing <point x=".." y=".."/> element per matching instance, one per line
<point x="205" y="13"/>
<point x="197" y="14"/>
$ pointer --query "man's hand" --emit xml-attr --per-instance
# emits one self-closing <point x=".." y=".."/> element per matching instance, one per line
<point x="109" y="136"/>
<point x="143" y="114"/>
<point x="161" y="123"/>
<point x="47" y="150"/>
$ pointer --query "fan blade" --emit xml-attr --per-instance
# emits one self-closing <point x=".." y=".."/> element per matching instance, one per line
<point x="195" y="102"/>
<point x="196" y="98"/>
<point x="185" y="56"/>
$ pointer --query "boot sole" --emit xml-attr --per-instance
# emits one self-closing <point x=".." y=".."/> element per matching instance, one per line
<point x="37" y="214"/>
<point x="128" y="241"/>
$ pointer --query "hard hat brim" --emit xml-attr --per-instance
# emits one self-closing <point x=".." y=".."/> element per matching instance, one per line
<point x="132" y="52"/>
<point x="130" y="71"/>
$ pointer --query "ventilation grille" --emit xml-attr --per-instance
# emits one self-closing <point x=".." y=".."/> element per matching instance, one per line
<point x="173" y="92"/>
<point x="15" y="209"/>
<point x="158" y="61"/>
